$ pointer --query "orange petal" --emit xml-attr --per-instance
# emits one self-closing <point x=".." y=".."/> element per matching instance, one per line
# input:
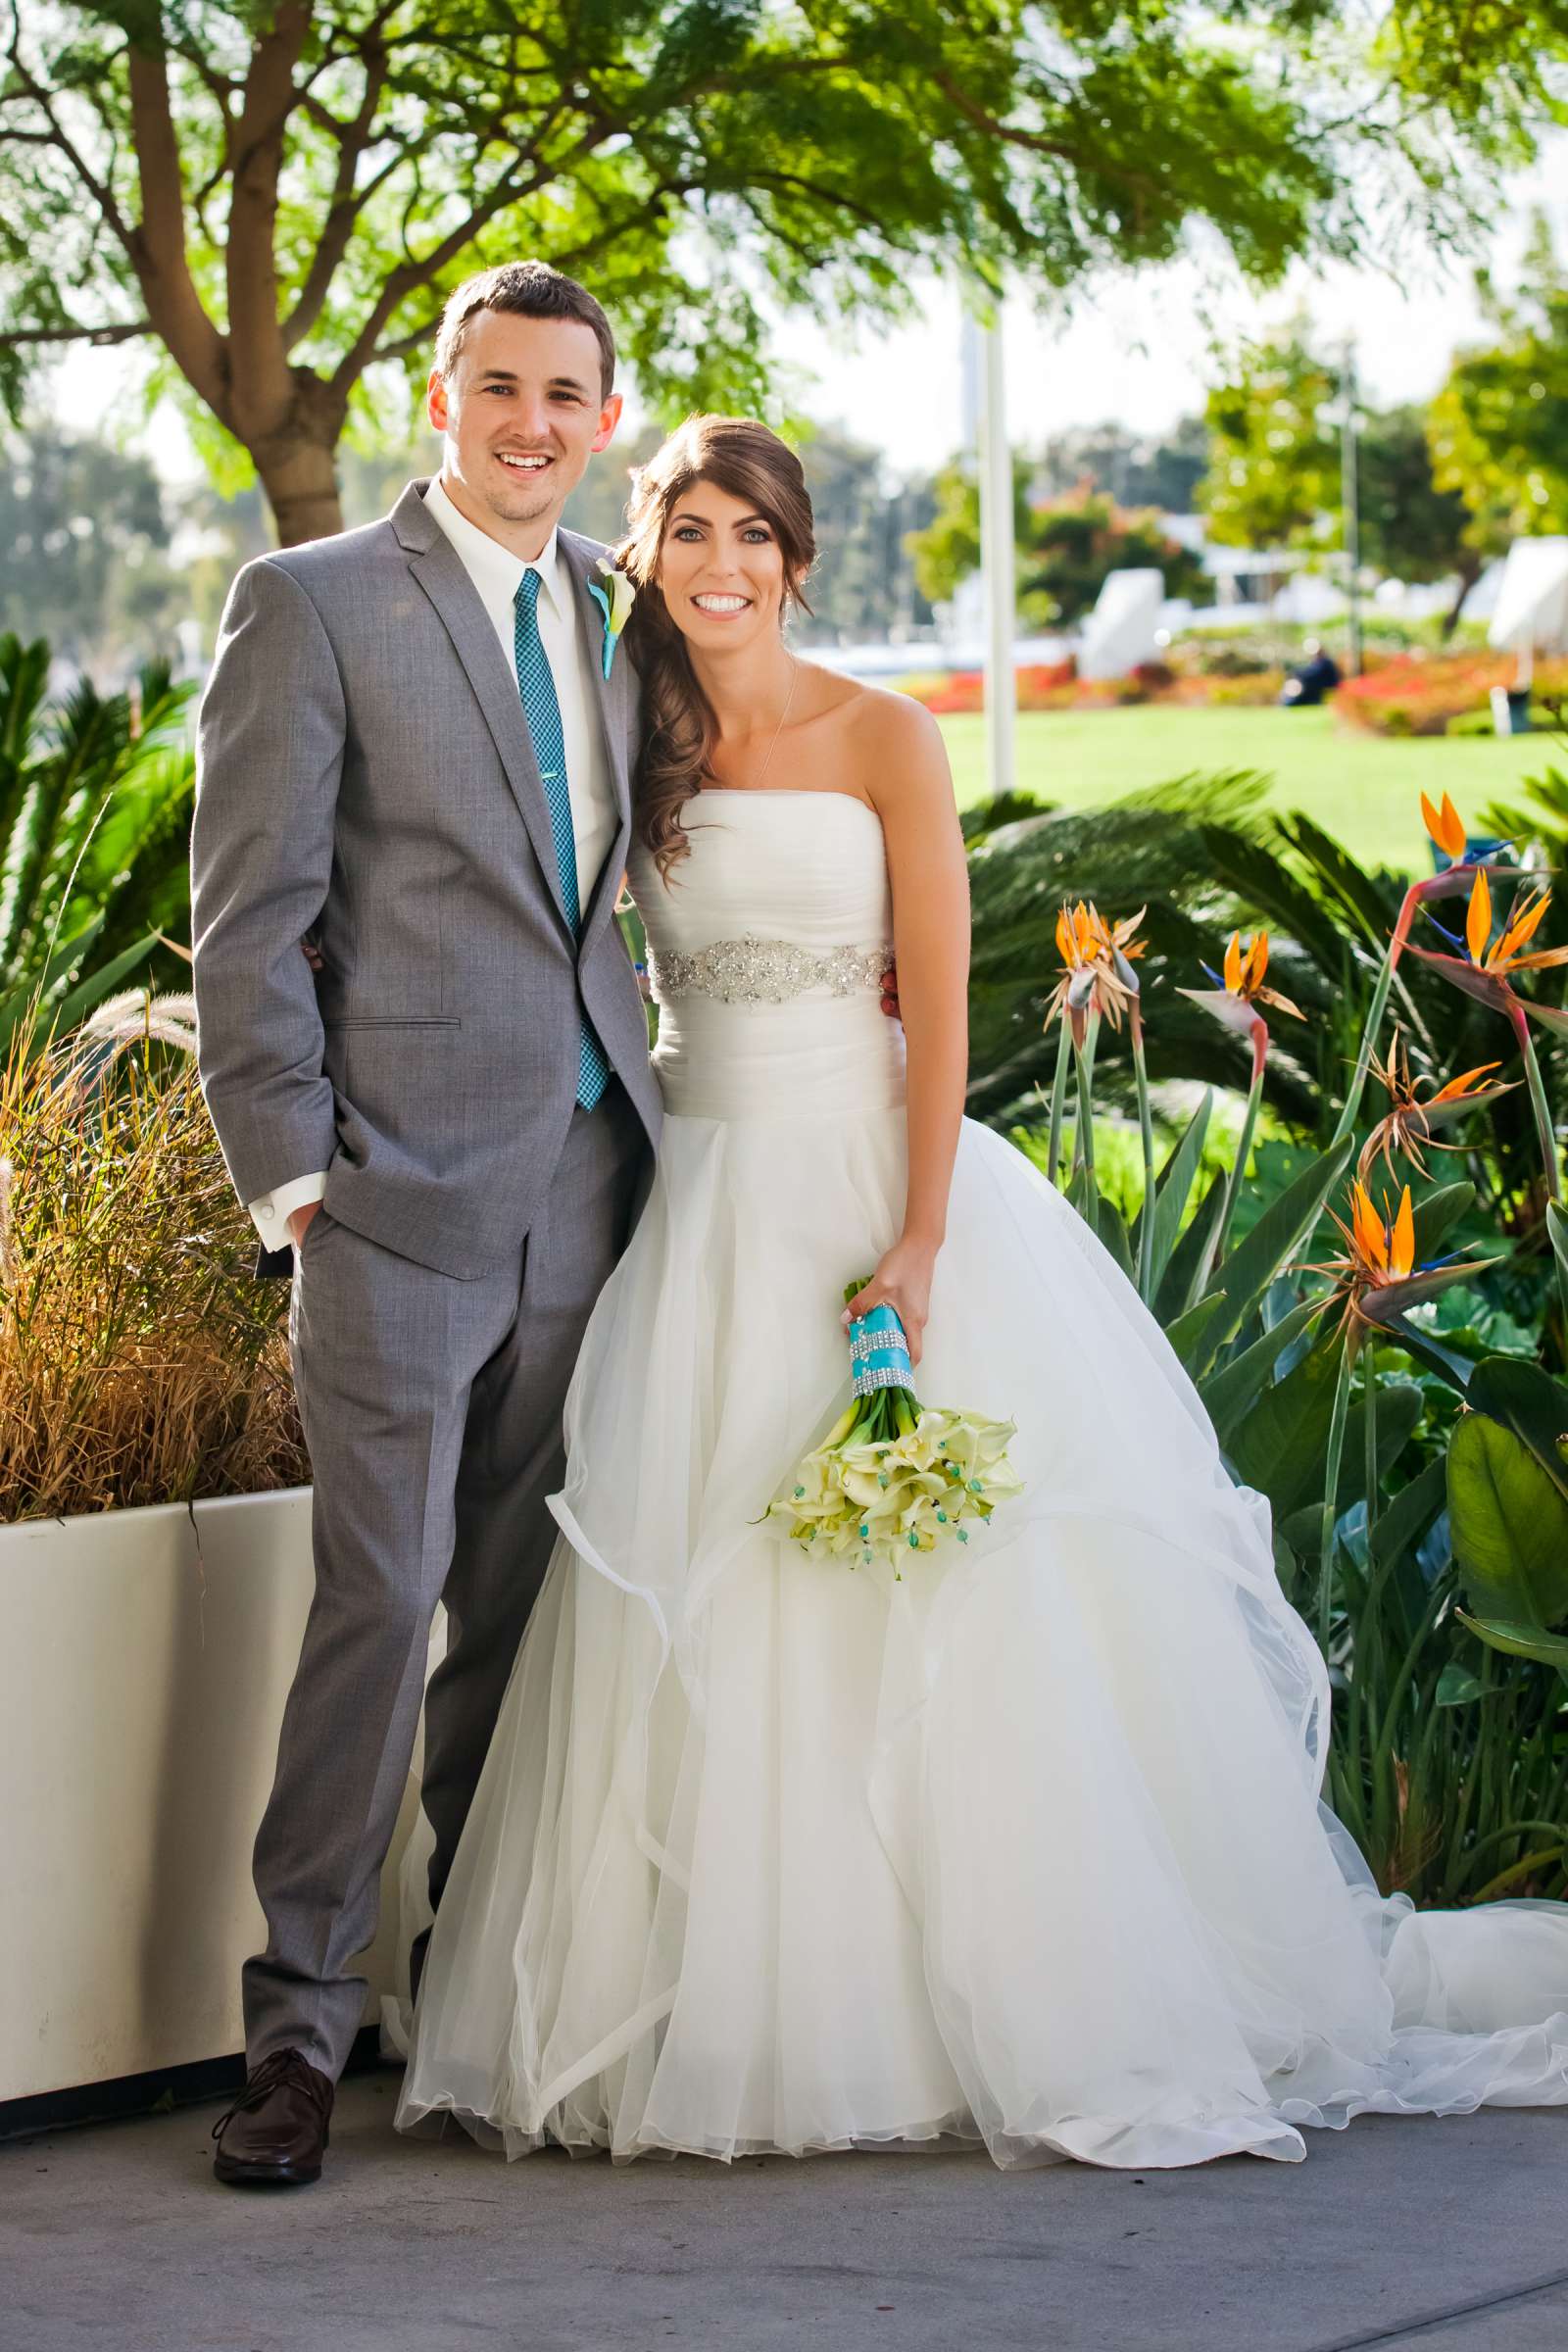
<point x="1523" y="927"/>
<point x="1232" y="964"/>
<point x="1368" y="1234"/>
<point x="1064" y="936"/>
<point x="1259" y="959"/>
<point x="1478" y="922"/>
<point x="1446" y="826"/>
<point x="1463" y="1084"/>
<point x="1402" y="1241"/>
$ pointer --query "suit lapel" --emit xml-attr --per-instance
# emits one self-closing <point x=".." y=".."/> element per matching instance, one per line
<point x="612" y="697"/>
<point x="609" y="694"/>
<point x="438" y="569"/>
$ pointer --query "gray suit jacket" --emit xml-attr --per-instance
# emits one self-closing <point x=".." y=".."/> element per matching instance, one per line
<point x="365" y="773"/>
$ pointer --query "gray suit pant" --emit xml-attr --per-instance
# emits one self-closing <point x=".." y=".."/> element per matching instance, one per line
<point x="433" y="1412"/>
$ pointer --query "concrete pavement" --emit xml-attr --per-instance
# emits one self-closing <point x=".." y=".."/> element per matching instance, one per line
<point x="1444" y="2235"/>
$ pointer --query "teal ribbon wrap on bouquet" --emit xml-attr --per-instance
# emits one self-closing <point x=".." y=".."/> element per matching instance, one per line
<point x="879" y="1353"/>
<point x="893" y="1476"/>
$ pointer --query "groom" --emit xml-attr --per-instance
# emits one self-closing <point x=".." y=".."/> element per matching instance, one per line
<point x="415" y="747"/>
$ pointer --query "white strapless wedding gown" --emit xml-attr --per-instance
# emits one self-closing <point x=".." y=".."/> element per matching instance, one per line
<point x="1025" y="1849"/>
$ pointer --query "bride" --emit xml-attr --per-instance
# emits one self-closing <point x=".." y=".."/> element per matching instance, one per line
<point x="1025" y="1847"/>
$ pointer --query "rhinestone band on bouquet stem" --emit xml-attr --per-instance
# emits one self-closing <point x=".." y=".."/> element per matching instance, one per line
<point x="894" y="1476"/>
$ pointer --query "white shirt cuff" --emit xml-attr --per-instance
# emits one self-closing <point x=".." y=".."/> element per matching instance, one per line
<point x="271" y="1213"/>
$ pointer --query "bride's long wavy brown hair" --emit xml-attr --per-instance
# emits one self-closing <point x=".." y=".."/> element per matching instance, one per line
<point x="746" y="460"/>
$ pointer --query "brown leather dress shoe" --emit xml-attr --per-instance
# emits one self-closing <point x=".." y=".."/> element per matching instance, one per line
<point x="276" y="2130"/>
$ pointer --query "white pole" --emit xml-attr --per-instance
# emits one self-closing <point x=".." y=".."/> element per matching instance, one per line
<point x="997" y="562"/>
<point x="1350" y="505"/>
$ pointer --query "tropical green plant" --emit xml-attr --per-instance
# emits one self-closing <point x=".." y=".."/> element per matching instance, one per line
<point x="95" y="796"/>
<point x="1508" y="1483"/>
<point x="1204" y="861"/>
<point x="1336" y="1394"/>
<point x="1206" y="858"/>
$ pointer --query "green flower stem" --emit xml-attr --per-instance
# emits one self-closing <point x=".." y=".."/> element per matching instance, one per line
<point x="1331" y="1492"/>
<point x="1540" y="1860"/>
<point x="1369" y="1384"/>
<point x="1146" y="1126"/>
<point x="1382" y="1742"/>
<point x="1367" y="1639"/>
<point x="1084" y="1139"/>
<point x="840" y="1428"/>
<point x="1363" y="1059"/>
<point x="1546" y="1137"/>
<point x="1214" y="1254"/>
<point x="1387" y="1731"/>
<point x="1545" y="1133"/>
<point x="1058" y="1089"/>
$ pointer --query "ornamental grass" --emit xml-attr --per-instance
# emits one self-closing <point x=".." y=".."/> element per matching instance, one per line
<point x="140" y="1362"/>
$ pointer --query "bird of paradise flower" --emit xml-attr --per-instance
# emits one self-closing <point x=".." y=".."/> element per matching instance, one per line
<point x="1098" y="982"/>
<point x="1234" y="1003"/>
<point x="1378" y="1281"/>
<point x="1461" y="864"/>
<point x="1377" y="1278"/>
<point x="1419" y="1106"/>
<point x="1484" y="968"/>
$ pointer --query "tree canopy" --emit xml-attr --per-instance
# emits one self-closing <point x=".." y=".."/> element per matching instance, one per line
<point x="1273" y="477"/>
<point x="1064" y="547"/>
<point x="1499" y="428"/>
<point x="84" y="533"/>
<point x="277" y="195"/>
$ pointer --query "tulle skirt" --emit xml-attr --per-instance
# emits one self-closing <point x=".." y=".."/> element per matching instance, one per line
<point x="1026" y="1847"/>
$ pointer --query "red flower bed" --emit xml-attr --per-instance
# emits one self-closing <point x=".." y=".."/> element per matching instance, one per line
<point x="1056" y="686"/>
<point x="1417" y="696"/>
<point x="1045" y="686"/>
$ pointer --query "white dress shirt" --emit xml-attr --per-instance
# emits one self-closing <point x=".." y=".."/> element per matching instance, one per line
<point x="571" y="647"/>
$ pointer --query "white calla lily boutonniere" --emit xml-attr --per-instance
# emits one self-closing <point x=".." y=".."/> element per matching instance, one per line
<point x="615" y="595"/>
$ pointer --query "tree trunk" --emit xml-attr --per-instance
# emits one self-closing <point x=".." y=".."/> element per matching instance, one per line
<point x="299" y="474"/>
<point x="1469" y="573"/>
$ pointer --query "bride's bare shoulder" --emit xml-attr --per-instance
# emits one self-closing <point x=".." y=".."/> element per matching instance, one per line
<point x="881" y="722"/>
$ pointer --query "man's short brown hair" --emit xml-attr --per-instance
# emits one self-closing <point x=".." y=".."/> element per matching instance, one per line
<point x="528" y="290"/>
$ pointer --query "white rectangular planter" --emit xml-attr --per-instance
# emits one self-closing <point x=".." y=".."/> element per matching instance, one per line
<point x="145" y="1662"/>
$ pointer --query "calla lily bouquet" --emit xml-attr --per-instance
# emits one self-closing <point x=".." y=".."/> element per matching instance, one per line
<point x="893" y="1476"/>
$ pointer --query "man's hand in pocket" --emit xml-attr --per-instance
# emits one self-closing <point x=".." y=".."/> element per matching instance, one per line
<point x="298" y="1221"/>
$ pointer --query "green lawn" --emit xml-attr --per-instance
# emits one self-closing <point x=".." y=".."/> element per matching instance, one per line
<point x="1363" y="787"/>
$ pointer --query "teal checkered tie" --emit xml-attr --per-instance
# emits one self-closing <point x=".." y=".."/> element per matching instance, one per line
<point x="542" y="711"/>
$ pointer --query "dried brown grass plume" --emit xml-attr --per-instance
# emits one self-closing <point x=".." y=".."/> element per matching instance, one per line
<point x="140" y="1362"/>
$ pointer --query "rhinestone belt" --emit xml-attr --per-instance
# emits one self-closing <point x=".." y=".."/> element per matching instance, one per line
<point x="764" y="971"/>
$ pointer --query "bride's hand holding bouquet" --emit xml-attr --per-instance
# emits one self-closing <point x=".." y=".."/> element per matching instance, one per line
<point x="894" y="1476"/>
<point x="901" y="1281"/>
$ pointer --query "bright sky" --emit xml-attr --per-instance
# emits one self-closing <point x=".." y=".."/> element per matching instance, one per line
<point x="1139" y="350"/>
<point x="1135" y="351"/>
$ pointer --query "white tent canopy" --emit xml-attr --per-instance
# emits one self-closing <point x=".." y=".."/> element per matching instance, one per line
<point x="1123" y="630"/>
<point x="1531" y="614"/>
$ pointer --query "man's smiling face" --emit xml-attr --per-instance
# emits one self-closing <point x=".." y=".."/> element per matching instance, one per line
<point x="523" y="410"/>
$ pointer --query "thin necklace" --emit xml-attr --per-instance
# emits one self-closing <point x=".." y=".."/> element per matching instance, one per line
<point x="795" y="671"/>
